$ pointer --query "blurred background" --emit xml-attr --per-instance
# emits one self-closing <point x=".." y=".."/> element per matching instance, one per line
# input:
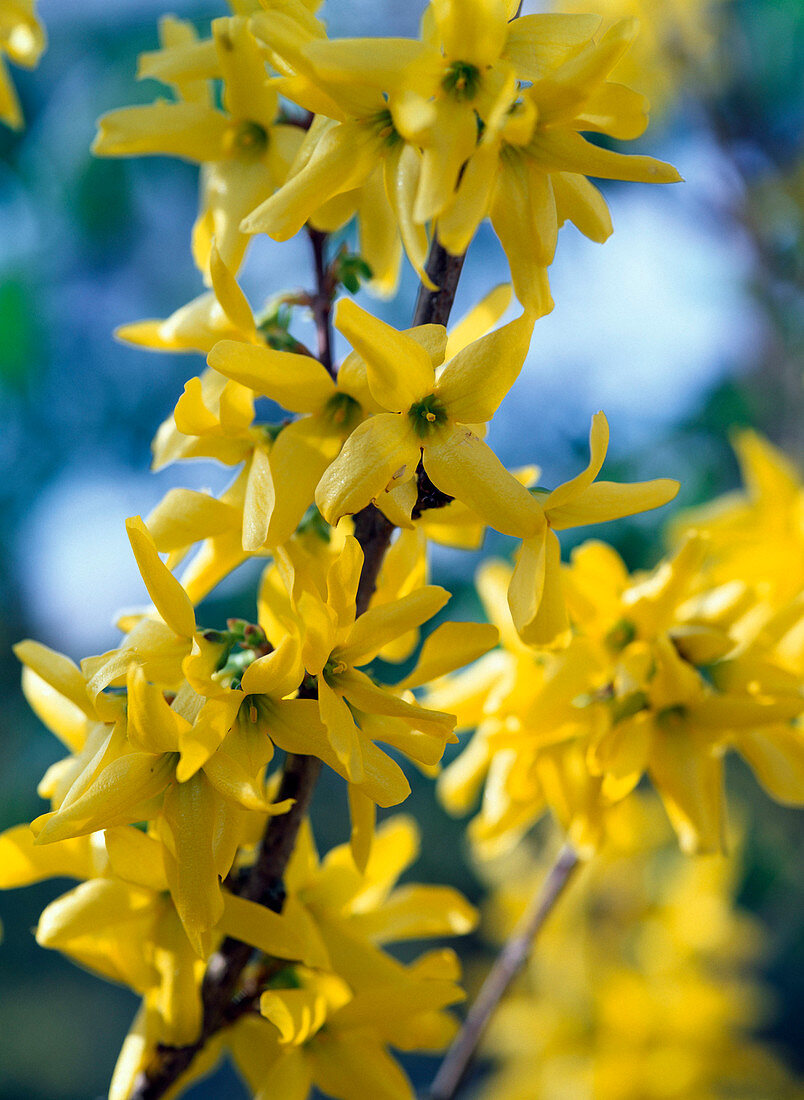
<point x="685" y="325"/>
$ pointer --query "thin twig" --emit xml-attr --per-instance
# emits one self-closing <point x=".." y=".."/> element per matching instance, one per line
<point x="509" y="962"/>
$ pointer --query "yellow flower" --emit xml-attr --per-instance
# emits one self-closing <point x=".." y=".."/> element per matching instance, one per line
<point x="531" y="163"/>
<point x="22" y="39"/>
<point x="244" y="150"/>
<point x="535" y="594"/>
<point x="677" y="42"/>
<point x="352" y="161"/>
<point x="428" y="419"/>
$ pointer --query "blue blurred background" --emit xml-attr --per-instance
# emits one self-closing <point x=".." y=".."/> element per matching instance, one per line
<point x="684" y="325"/>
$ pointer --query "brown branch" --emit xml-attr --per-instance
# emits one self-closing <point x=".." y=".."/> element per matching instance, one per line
<point x="434" y="306"/>
<point x="321" y="301"/>
<point x="509" y="962"/>
<point x="265" y="881"/>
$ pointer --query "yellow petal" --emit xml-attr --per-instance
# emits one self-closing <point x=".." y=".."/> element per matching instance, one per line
<point x="188" y="130"/>
<point x="539" y="43"/>
<point x="23" y="862"/>
<point x="418" y="912"/>
<point x="184" y="516"/>
<point x="190" y="811"/>
<point x="606" y="500"/>
<point x="259" y="501"/>
<point x="689" y="779"/>
<point x="472" y="30"/>
<point x="381" y="452"/>
<point x="401" y="174"/>
<point x="259" y="927"/>
<point x="399" y="370"/>
<point x="115" y="797"/>
<point x="454" y="136"/>
<point x="776" y="755"/>
<point x="343" y="733"/>
<point x="478" y="320"/>
<point x="579" y="201"/>
<point x="463" y="466"/>
<point x="297" y="382"/>
<point x="475" y="381"/>
<point x="451" y="646"/>
<point x="380" y="625"/>
<point x="344" y="157"/>
<point x="231" y="297"/>
<point x="511" y="210"/>
<point x="278" y="673"/>
<point x="598" y="445"/>
<point x="153" y="725"/>
<point x="136" y="857"/>
<point x="343" y="578"/>
<point x="363" y="814"/>
<point x="57" y="671"/>
<point x="563" y="151"/>
<point x="170" y="599"/>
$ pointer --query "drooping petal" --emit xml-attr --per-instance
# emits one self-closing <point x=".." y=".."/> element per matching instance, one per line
<point x="460" y="464"/>
<point x="380" y="452"/>
<point x="689" y="779"/>
<point x="343" y="733"/>
<point x="344" y="157"/>
<point x="298" y="460"/>
<point x="363" y="814"/>
<point x="190" y="811"/>
<point x="153" y="725"/>
<point x="231" y="297"/>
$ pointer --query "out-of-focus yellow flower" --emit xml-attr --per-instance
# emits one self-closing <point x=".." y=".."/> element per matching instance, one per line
<point x="22" y="40"/>
<point x="644" y="987"/>
<point x="676" y="42"/>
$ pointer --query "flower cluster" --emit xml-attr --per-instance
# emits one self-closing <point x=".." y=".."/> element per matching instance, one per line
<point x="193" y="747"/>
<point x="662" y="674"/>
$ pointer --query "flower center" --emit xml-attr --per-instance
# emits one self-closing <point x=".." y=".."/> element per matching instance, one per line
<point x="462" y="80"/>
<point x="248" y="139"/>
<point x="383" y="124"/>
<point x="426" y="415"/>
<point x="342" y="410"/>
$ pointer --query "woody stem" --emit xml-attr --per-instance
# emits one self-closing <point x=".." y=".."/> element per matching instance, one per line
<point x="508" y="964"/>
<point x="265" y="882"/>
